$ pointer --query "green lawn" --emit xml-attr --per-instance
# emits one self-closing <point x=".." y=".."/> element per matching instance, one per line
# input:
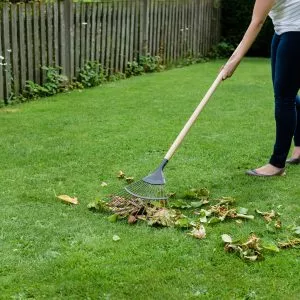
<point x="70" y="143"/>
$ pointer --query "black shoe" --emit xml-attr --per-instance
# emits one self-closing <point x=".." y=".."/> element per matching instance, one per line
<point x="293" y="161"/>
<point x="281" y="172"/>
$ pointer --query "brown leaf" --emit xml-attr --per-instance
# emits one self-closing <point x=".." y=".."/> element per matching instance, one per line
<point x="68" y="199"/>
<point x="129" y="179"/>
<point x="132" y="219"/>
<point x="121" y="174"/>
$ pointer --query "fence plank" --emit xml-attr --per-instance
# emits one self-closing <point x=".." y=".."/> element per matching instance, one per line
<point x="77" y="24"/>
<point x="93" y="31"/>
<point x="158" y="27"/>
<point x="108" y="35"/>
<point x="118" y="34"/>
<point x="126" y="35"/>
<point x="88" y="32"/>
<point x="123" y="36"/>
<point x="15" y="49"/>
<point x="101" y="32"/>
<point x="113" y="38"/>
<point x="70" y="30"/>
<point x="29" y="41"/>
<point x="49" y="30"/>
<point x="2" y="61"/>
<point x="36" y="43"/>
<point x="56" y="34"/>
<point x="7" y="49"/>
<point x="131" y="37"/>
<point x="44" y="41"/>
<point x="136" y="29"/>
<point x="83" y="23"/>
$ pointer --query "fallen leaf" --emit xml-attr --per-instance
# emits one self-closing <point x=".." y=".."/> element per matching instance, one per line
<point x="198" y="233"/>
<point x="68" y="199"/>
<point x="226" y="238"/>
<point x="116" y="238"/>
<point x="132" y="219"/>
<point x="270" y="246"/>
<point x="289" y="243"/>
<point x="129" y="179"/>
<point x="297" y="230"/>
<point x="121" y="175"/>
<point x="113" y="218"/>
<point x="242" y="210"/>
<point x="103" y="184"/>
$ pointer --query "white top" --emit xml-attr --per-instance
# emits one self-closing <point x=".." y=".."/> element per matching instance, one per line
<point x="285" y="15"/>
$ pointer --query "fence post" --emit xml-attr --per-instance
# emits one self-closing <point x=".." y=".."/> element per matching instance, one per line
<point x="68" y="51"/>
<point x="145" y="26"/>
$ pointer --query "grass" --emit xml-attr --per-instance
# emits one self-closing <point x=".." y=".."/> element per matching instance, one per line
<point x="70" y="143"/>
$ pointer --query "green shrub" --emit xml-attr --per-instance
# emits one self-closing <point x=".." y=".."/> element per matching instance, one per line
<point x="133" y="69"/>
<point x="55" y="83"/>
<point x="150" y="63"/>
<point x="92" y="74"/>
<point x="116" y="76"/>
<point x="236" y="16"/>
<point x="221" y="50"/>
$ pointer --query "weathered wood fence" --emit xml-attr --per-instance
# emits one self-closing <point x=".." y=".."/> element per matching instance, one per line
<point x="113" y="32"/>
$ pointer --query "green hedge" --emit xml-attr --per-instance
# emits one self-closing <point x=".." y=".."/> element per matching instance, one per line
<point x="236" y="16"/>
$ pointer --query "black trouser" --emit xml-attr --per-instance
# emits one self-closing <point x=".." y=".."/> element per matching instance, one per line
<point x="286" y="81"/>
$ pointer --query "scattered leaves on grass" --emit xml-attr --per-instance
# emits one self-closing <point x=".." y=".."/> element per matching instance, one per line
<point x="268" y="215"/>
<point x="291" y="243"/>
<point x="68" y="199"/>
<point x="128" y="179"/>
<point x="250" y="250"/>
<point x="98" y="205"/>
<point x="272" y="219"/>
<point x="199" y="209"/>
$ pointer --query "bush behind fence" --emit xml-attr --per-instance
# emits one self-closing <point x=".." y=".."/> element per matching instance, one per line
<point x="70" y="34"/>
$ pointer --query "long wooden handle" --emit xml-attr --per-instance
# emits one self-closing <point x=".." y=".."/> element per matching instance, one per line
<point x="193" y="117"/>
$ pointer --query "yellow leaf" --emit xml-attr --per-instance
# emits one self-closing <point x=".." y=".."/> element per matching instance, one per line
<point x="68" y="199"/>
<point x="121" y="174"/>
<point x="103" y="184"/>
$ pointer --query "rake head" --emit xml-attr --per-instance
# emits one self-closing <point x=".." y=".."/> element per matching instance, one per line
<point x="150" y="187"/>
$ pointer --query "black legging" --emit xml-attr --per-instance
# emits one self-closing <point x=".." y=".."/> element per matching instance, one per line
<point x="286" y="81"/>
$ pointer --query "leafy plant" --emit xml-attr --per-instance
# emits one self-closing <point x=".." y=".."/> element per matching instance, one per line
<point x="134" y="69"/>
<point x="222" y="50"/>
<point x="116" y="76"/>
<point x="92" y="74"/>
<point x="150" y="63"/>
<point x="55" y="83"/>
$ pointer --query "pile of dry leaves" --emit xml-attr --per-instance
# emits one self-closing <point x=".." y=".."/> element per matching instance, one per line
<point x="193" y="211"/>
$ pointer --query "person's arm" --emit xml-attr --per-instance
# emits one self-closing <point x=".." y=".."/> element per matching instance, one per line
<point x="260" y="13"/>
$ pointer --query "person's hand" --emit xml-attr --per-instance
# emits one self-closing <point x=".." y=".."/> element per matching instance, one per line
<point x="229" y="68"/>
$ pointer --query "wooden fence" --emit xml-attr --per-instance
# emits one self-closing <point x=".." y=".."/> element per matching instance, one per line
<point x="113" y="32"/>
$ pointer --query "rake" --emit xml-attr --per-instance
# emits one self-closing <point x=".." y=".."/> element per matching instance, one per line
<point x="151" y="187"/>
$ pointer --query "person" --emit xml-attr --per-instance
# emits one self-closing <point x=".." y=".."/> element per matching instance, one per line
<point x="285" y="62"/>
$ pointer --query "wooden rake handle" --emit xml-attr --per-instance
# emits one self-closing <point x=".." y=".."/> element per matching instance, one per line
<point x="193" y="117"/>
